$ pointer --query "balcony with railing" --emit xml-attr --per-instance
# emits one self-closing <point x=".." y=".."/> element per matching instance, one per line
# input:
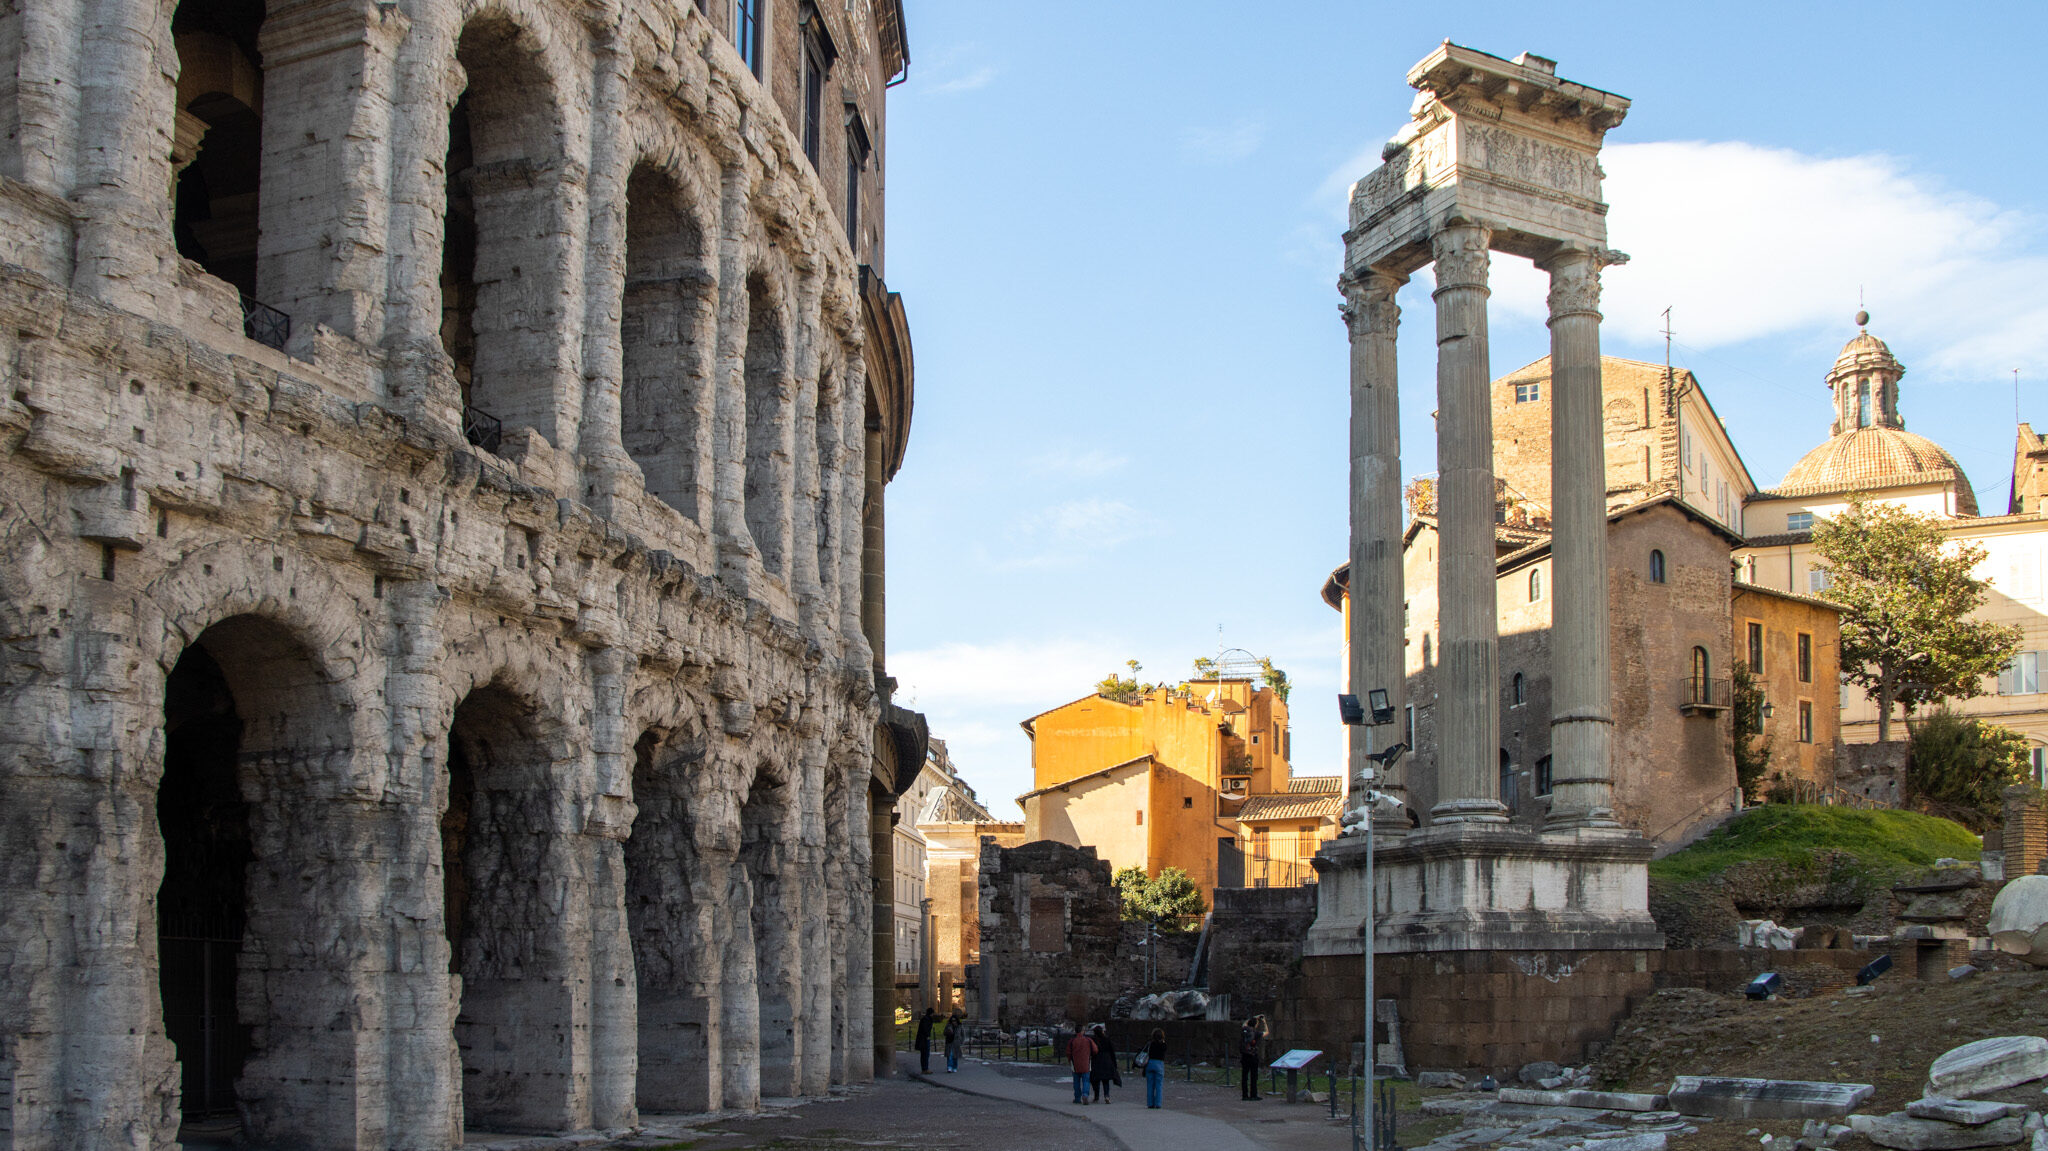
<point x="1260" y="871"/>
<point x="1705" y="695"/>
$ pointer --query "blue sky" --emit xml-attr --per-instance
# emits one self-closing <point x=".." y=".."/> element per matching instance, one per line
<point x="1116" y="226"/>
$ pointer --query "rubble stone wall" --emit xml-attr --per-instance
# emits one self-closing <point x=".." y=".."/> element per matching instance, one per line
<point x="2025" y="831"/>
<point x="1051" y="934"/>
<point x="552" y="762"/>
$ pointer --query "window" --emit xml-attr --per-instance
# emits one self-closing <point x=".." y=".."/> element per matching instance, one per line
<point x="2037" y="760"/>
<point x="1818" y="580"/>
<point x="1535" y="585"/>
<point x="1685" y="447"/>
<point x="1805" y="658"/>
<point x="1141" y="817"/>
<point x="1255" y="739"/>
<point x="819" y="56"/>
<point x="746" y="32"/>
<point x="1425" y="649"/>
<point x="856" y="161"/>
<point x="1519" y="690"/>
<point x="1702" y="676"/>
<point x="1799" y="522"/>
<point x="1863" y="404"/>
<point x="1187" y="802"/>
<point x="1656" y="565"/>
<point x="1756" y="647"/>
<point x="1528" y="393"/>
<point x="2022" y="676"/>
<point x="1543" y="776"/>
<point x="1806" y="721"/>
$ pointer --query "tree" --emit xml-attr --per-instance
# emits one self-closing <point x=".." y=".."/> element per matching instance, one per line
<point x="1961" y="767"/>
<point x="1752" y="747"/>
<point x="1206" y="668"/>
<point x="1275" y="679"/>
<point x="1124" y="689"/>
<point x="1168" y="897"/>
<point x="1907" y="635"/>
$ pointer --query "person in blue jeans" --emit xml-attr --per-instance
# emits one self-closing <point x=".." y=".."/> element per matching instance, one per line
<point x="1155" y="1069"/>
<point x="1079" y="1052"/>
<point x="955" y="1036"/>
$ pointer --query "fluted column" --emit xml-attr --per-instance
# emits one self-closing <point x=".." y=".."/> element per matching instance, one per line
<point x="1376" y="658"/>
<point x="1469" y="679"/>
<point x="1582" y="726"/>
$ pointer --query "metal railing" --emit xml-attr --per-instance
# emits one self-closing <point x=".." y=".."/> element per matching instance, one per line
<point x="1262" y="872"/>
<point x="265" y="324"/>
<point x="1828" y="795"/>
<point x="1706" y="692"/>
<point x="482" y="429"/>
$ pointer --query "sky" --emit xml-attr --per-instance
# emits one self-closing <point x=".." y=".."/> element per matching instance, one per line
<point x="1116" y="226"/>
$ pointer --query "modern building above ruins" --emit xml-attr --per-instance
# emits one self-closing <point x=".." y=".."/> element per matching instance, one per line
<point x="445" y="453"/>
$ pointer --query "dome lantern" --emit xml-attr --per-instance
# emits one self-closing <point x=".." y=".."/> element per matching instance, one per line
<point x="1865" y="380"/>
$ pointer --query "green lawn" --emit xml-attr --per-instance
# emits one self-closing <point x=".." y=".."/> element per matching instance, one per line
<point x="1793" y="832"/>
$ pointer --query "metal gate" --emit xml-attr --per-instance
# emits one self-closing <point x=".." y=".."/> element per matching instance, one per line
<point x="197" y="980"/>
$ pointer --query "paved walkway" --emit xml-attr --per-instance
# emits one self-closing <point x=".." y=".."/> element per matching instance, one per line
<point x="1194" y="1118"/>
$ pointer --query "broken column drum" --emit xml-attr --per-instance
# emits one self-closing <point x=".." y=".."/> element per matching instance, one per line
<point x="435" y="458"/>
<point x="1501" y="156"/>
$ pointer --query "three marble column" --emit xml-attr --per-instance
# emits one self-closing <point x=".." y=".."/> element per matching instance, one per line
<point x="1469" y="676"/>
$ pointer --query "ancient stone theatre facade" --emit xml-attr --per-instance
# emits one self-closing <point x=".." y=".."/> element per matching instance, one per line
<point x="441" y="564"/>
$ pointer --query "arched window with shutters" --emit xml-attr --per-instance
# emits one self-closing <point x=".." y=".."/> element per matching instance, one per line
<point x="1535" y="584"/>
<point x="1702" y="676"/>
<point x="1520" y="690"/>
<point x="1656" y="565"/>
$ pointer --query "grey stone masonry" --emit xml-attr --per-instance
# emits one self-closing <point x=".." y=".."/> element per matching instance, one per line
<point x="434" y="691"/>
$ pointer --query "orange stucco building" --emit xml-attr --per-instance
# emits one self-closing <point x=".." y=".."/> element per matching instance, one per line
<point x="1193" y="776"/>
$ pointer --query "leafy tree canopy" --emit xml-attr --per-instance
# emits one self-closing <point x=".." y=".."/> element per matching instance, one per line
<point x="1906" y="633"/>
<point x="1274" y="678"/>
<point x="1752" y="747"/>
<point x="1961" y="767"/>
<point x="1169" y="896"/>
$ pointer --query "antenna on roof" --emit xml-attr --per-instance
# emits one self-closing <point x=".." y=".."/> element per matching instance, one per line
<point x="2015" y="397"/>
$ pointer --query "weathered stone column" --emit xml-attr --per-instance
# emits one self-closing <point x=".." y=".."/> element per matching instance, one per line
<point x="882" y="872"/>
<point x="1469" y="785"/>
<point x="1582" y="723"/>
<point x="874" y="613"/>
<point x="1376" y="639"/>
<point x="729" y="378"/>
<point x="601" y="440"/>
<point x="805" y="484"/>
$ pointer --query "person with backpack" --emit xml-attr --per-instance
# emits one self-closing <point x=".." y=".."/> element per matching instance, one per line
<point x="1249" y="1042"/>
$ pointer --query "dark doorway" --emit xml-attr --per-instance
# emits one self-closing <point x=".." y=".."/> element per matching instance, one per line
<point x="458" y="252"/>
<point x="220" y="100"/>
<point x="201" y="907"/>
<point x="1229" y="862"/>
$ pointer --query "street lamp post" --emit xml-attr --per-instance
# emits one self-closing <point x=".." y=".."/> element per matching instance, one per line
<point x="1378" y="713"/>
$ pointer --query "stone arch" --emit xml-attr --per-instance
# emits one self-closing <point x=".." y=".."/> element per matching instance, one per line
<point x="669" y="922"/>
<point x="217" y="148"/>
<point x="767" y="890"/>
<point x="255" y="866"/>
<point x="504" y="266"/>
<point x="769" y="391"/>
<point x="668" y="329"/>
<point x="504" y="866"/>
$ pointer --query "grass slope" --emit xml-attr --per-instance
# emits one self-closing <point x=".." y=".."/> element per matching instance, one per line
<point x="1793" y="832"/>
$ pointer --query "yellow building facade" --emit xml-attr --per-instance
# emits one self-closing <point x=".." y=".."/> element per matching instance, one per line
<point x="1182" y="776"/>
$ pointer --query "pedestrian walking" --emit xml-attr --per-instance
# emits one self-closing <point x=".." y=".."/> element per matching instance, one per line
<point x="1080" y="1053"/>
<point x="924" y="1040"/>
<point x="1102" y="1069"/>
<point x="956" y="1034"/>
<point x="1250" y="1041"/>
<point x="1155" y="1069"/>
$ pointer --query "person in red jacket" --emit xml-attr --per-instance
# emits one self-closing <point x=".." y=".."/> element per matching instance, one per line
<point x="1080" y="1051"/>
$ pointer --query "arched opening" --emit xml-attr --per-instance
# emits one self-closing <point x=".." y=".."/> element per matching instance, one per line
<point x="217" y="150"/>
<point x="202" y="907"/>
<point x="1702" y="676"/>
<point x="499" y="858"/>
<point x="1863" y="403"/>
<point x="500" y="246"/>
<point x="664" y="918"/>
<point x="1535" y="584"/>
<point x="768" y="452"/>
<point x="1656" y="565"/>
<point x="666" y="328"/>
<point x="1519" y="690"/>
<point x="251" y="727"/>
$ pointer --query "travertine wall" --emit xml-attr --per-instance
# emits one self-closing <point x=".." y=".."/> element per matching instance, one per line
<point x="1051" y="932"/>
<point x="549" y="767"/>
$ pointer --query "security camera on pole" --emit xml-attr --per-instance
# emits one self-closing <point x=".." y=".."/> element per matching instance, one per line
<point x="1360" y="819"/>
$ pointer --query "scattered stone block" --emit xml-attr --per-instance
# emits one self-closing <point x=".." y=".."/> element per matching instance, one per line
<point x="1969" y="1112"/>
<point x="1963" y="972"/>
<point x="1533" y="1097"/>
<point x="1988" y="1065"/>
<point x="1905" y="1133"/>
<point x="1542" y="1069"/>
<point x="1629" y="1141"/>
<point x="1439" y="1080"/>
<point x="1618" y="1101"/>
<point x="1733" y="1098"/>
<point x="1554" y="1083"/>
<point x="2019" y="919"/>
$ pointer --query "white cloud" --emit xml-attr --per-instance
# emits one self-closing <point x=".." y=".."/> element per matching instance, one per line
<point x="1745" y="242"/>
<point x="1223" y="143"/>
<point x="1024" y="676"/>
<point x="1072" y="532"/>
<point x="1078" y="465"/>
<point x="979" y="78"/>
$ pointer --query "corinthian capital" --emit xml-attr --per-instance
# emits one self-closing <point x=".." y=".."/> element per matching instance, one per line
<point x="1369" y="308"/>
<point x="1575" y="279"/>
<point x="1461" y="256"/>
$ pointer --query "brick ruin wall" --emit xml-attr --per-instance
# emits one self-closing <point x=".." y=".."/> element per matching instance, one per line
<point x="1051" y="934"/>
<point x="541" y="773"/>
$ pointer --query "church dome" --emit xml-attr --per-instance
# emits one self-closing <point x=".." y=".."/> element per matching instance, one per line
<point x="1874" y="458"/>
